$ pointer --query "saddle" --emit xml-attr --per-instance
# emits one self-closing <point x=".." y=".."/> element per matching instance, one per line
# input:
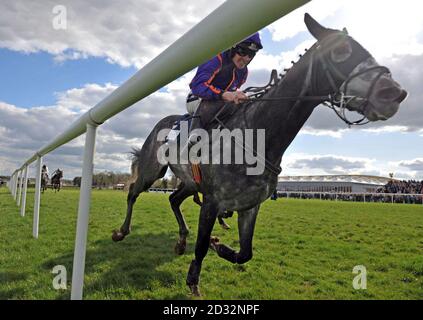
<point x="226" y="111"/>
<point x="173" y="134"/>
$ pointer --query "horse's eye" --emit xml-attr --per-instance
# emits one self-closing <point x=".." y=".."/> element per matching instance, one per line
<point x="342" y="52"/>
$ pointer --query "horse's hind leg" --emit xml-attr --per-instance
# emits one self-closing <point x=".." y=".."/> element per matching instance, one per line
<point x="148" y="169"/>
<point x="144" y="181"/>
<point x="176" y="199"/>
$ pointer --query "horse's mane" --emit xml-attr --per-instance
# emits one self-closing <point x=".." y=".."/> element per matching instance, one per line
<point x="275" y="81"/>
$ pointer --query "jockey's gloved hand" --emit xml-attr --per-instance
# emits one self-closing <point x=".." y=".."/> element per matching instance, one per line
<point x="236" y="97"/>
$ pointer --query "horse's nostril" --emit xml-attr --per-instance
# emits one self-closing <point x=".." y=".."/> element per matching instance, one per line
<point x="390" y="94"/>
<point x="402" y="96"/>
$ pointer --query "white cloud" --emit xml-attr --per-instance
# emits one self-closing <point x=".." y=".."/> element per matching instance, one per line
<point x="299" y="164"/>
<point x="129" y="33"/>
<point x="328" y="164"/>
<point x="407" y="169"/>
<point x="386" y="27"/>
<point x="319" y="132"/>
<point x="24" y="130"/>
<point x="264" y="61"/>
<point x="292" y="24"/>
<point x="83" y="99"/>
<point x="387" y="129"/>
<point x="413" y="165"/>
<point x="383" y="26"/>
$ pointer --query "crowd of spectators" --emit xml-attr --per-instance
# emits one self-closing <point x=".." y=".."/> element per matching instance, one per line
<point x="403" y="187"/>
<point x="394" y="191"/>
<point x="373" y="197"/>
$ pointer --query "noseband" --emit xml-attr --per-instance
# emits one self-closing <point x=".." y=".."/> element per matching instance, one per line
<point x="339" y="101"/>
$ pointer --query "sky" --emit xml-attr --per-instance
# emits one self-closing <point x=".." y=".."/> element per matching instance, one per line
<point x="55" y="68"/>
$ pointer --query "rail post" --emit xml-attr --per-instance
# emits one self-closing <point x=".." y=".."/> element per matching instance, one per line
<point x="36" y="221"/>
<point x="25" y="187"/>
<point x="83" y="214"/>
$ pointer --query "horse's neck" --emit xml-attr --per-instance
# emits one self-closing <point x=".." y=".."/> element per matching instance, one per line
<point x="281" y="122"/>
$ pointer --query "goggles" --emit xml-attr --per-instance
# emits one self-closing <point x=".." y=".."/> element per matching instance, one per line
<point x="242" y="51"/>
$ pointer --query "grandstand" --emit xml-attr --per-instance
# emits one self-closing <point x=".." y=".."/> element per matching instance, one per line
<point x="335" y="183"/>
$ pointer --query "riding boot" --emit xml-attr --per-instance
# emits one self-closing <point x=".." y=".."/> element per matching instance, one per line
<point x="196" y="123"/>
<point x="202" y="119"/>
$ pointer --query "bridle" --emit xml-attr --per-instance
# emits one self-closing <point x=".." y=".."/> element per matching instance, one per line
<point x="338" y="100"/>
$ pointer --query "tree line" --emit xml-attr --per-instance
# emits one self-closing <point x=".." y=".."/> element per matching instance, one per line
<point x="107" y="179"/>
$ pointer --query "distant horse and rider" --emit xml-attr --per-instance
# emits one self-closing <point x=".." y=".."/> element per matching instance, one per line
<point x="336" y="71"/>
<point x="44" y="178"/>
<point x="56" y="179"/>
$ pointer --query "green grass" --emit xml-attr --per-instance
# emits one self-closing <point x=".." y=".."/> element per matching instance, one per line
<point x="303" y="249"/>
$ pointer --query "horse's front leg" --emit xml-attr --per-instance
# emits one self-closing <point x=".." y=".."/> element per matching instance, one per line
<point x="208" y="214"/>
<point x="246" y="224"/>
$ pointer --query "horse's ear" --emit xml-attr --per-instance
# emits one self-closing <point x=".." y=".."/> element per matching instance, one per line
<point x="315" y="28"/>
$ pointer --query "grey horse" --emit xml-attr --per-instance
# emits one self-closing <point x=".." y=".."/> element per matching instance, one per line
<point x="337" y="69"/>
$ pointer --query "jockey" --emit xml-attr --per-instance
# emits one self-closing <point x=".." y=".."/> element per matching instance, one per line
<point x="44" y="169"/>
<point x="221" y="77"/>
<point x="55" y="172"/>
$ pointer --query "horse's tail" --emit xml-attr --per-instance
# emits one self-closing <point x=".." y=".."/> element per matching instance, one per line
<point x="136" y="155"/>
<point x="146" y="158"/>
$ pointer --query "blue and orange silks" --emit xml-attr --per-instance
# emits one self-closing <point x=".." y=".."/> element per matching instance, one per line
<point x="216" y="76"/>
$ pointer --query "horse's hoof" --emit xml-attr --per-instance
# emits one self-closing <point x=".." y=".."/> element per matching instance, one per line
<point x="180" y="247"/>
<point x="214" y="241"/>
<point x="195" y="291"/>
<point x="117" y="236"/>
<point x="225" y="226"/>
